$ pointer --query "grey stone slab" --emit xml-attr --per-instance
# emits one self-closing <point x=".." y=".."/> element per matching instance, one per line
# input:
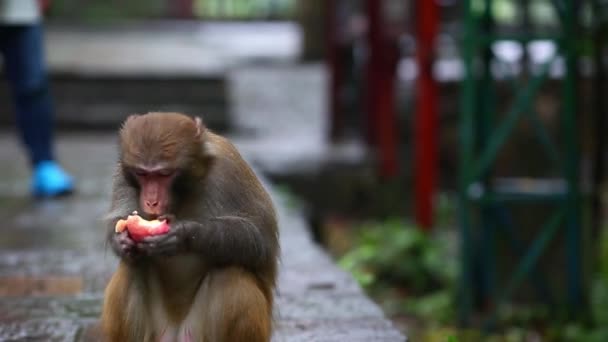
<point x="80" y="307"/>
<point x="300" y="280"/>
<point x="95" y="267"/>
<point x="104" y="102"/>
<point x="286" y="109"/>
<point x="326" y="305"/>
<point x="43" y="330"/>
<point x="173" y="49"/>
<point x="358" y="330"/>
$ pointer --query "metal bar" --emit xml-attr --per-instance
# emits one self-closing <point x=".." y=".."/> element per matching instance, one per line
<point x="561" y="9"/>
<point x="505" y="222"/>
<point x="599" y="142"/>
<point x="525" y="23"/>
<point x="506" y="198"/>
<point x="521" y="103"/>
<point x="485" y="114"/>
<point x="525" y="265"/>
<point x="467" y="112"/>
<point x="523" y="38"/>
<point x="532" y="117"/>
<point x="381" y="89"/>
<point x="571" y="165"/>
<point x="425" y="166"/>
<point x="544" y="137"/>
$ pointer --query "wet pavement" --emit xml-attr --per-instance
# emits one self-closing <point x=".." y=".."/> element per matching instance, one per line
<point x="53" y="262"/>
<point x="54" y="265"/>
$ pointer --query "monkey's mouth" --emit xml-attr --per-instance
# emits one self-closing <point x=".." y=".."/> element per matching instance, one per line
<point x="157" y="217"/>
<point x="150" y="217"/>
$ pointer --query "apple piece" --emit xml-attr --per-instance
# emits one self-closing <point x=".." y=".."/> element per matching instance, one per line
<point x="121" y="225"/>
<point x="139" y="227"/>
<point x="142" y="228"/>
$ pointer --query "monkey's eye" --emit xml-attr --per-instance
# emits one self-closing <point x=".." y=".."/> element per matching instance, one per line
<point x="140" y="173"/>
<point x="165" y="173"/>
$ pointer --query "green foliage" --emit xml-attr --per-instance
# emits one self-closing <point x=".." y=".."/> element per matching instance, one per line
<point x="598" y="305"/>
<point x="414" y="274"/>
<point x="401" y="254"/>
<point x="397" y="254"/>
<point x="437" y="306"/>
<point x="522" y="314"/>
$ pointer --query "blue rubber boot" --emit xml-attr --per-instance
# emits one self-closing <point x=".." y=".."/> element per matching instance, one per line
<point x="50" y="180"/>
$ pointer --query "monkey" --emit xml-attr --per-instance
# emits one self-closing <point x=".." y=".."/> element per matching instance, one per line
<point x="212" y="276"/>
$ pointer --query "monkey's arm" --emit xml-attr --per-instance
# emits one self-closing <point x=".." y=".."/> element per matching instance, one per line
<point x="223" y="240"/>
<point x="124" y="200"/>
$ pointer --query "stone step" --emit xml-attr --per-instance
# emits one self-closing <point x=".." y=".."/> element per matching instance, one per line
<point x="102" y="73"/>
<point x="103" y="102"/>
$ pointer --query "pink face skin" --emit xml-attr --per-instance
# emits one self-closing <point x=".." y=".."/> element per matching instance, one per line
<point x="155" y="192"/>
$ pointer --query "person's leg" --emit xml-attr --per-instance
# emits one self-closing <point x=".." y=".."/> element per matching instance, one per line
<point x="25" y="69"/>
<point x="23" y="51"/>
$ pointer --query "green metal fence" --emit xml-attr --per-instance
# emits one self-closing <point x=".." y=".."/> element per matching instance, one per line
<point x="487" y="125"/>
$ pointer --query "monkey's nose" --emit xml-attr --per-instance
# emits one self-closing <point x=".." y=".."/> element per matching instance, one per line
<point x="152" y="204"/>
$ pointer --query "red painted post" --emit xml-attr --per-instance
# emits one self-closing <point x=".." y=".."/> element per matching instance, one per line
<point x="183" y="9"/>
<point x="381" y="69"/>
<point x="425" y="154"/>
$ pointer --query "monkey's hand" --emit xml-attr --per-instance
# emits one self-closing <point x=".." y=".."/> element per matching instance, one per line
<point x="168" y="244"/>
<point x="123" y="246"/>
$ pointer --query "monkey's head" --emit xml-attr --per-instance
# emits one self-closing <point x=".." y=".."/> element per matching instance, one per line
<point x="157" y="150"/>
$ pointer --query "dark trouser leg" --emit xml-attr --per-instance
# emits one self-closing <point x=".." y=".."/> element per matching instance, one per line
<point x="23" y="50"/>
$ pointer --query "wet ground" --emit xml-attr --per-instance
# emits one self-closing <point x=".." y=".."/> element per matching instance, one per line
<point x="54" y="266"/>
<point x="53" y="262"/>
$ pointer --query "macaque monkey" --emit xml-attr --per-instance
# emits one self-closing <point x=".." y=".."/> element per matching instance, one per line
<point x="211" y="276"/>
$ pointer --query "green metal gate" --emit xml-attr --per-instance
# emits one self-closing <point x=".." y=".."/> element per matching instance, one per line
<point x="483" y="132"/>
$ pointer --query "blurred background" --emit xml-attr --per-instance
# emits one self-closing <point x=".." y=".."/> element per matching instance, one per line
<point x="449" y="154"/>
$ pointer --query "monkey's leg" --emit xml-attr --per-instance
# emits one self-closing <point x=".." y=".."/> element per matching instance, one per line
<point x="126" y="315"/>
<point x="230" y="307"/>
<point x="113" y="322"/>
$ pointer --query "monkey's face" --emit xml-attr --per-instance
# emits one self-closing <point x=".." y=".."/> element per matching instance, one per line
<point x="154" y="189"/>
<point x="158" y="150"/>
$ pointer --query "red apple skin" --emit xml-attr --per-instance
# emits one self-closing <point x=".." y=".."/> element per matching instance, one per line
<point x="140" y="228"/>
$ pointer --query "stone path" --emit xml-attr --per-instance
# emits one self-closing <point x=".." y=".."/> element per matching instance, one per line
<point x="53" y="264"/>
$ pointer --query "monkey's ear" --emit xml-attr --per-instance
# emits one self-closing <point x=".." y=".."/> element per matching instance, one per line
<point x="200" y="127"/>
<point x="209" y="150"/>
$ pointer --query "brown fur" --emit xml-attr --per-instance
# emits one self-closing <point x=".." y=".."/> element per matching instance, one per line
<point x="219" y="288"/>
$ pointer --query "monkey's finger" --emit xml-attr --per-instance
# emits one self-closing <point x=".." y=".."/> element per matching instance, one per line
<point x="158" y="239"/>
<point x="125" y="240"/>
<point x="159" y="247"/>
<point x="124" y="235"/>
